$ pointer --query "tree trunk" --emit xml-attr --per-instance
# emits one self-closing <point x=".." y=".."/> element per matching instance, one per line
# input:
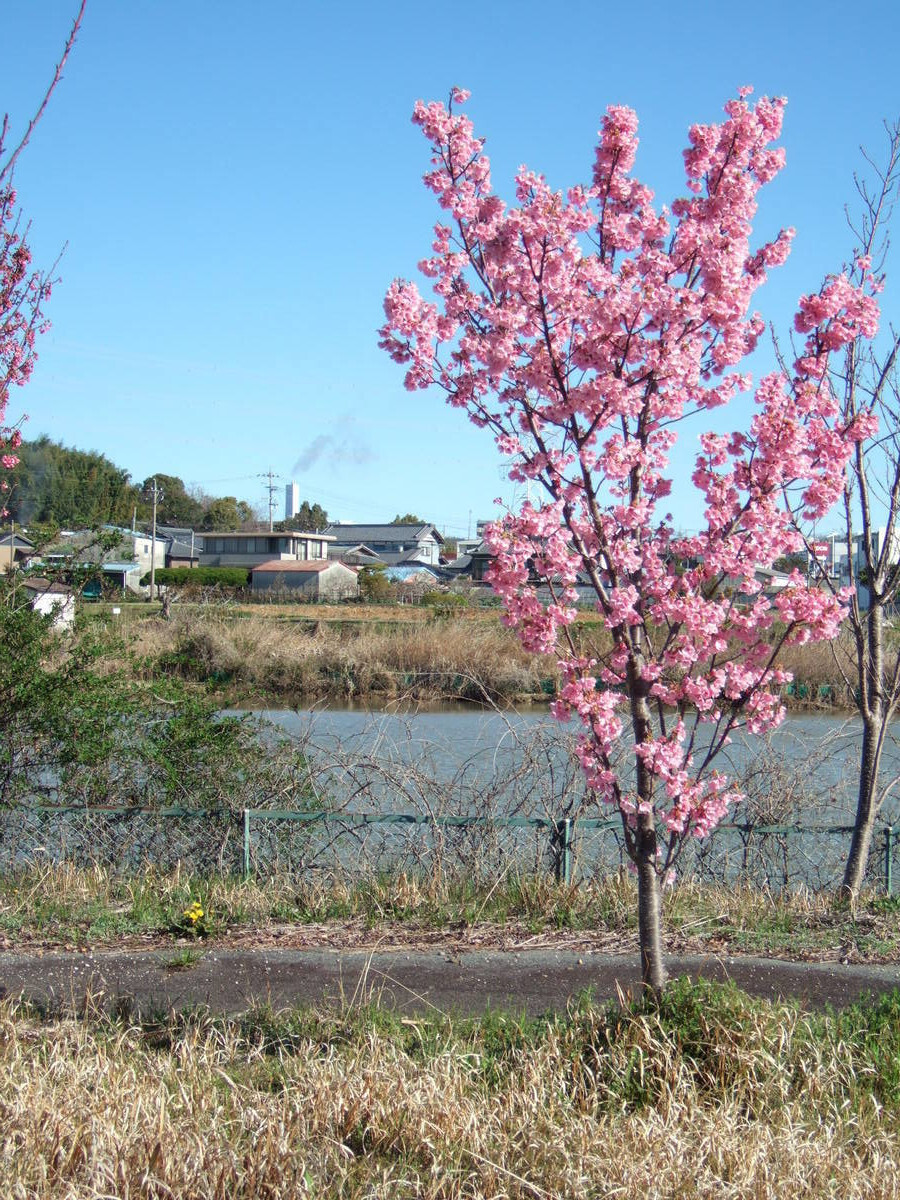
<point x="866" y="810"/>
<point x="872" y="708"/>
<point x="653" y="969"/>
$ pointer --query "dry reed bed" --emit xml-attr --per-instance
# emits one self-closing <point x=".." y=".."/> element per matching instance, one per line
<point x="714" y="1096"/>
<point x="475" y="660"/>
<point x="463" y="657"/>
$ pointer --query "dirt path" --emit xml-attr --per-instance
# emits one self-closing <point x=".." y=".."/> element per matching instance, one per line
<point x="414" y="979"/>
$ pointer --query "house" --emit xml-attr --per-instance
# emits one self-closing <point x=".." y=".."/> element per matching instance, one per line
<point x="391" y="544"/>
<point x="470" y="564"/>
<point x="15" y="551"/>
<point x="123" y="574"/>
<point x="231" y="549"/>
<point x="361" y="556"/>
<point x="121" y="556"/>
<point x="51" y="599"/>
<point x="182" y="547"/>
<point x="144" y="552"/>
<point x="310" y="580"/>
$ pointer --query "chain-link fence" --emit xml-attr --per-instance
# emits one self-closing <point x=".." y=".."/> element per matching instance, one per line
<point x="207" y="841"/>
<point x="778" y="858"/>
<point x="358" y="845"/>
<point x="493" y="798"/>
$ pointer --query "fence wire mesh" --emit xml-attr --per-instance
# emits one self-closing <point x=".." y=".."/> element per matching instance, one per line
<point x="353" y="845"/>
<point x="775" y="858"/>
<point x="357" y="846"/>
<point x="396" y="797"/>
<point x="126" y="839"/>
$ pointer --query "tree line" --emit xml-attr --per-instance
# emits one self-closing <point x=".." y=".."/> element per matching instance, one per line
<point x="61" y="487"/>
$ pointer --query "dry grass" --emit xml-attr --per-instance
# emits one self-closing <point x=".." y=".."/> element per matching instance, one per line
<point x="825" y="669"/>
<point x="714" y="1095"/>
<point x="54" y="906"/>
<point x="455" y="658"/>
<point x="405" y="651"/>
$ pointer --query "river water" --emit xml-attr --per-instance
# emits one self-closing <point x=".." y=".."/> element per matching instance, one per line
<point x="805" y="770"/>
<point x="453" y="763"/>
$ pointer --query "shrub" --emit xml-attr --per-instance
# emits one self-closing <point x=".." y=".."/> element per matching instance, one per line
<point x="231" y="577"/>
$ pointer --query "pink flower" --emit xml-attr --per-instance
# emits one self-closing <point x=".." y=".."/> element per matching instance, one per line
<point x="581" y="327"/>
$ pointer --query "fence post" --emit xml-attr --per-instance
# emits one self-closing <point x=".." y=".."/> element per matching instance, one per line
<point x="568" y="850"/>
<point x="564" y="838"/>
<point x="245" y="813"/>
<point x="889" y="859"/>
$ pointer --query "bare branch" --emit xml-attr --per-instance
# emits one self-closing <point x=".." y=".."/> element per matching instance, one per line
<point x="6" y="168"/>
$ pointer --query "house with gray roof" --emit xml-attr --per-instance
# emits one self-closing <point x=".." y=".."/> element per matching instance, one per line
<point x="239" y="549"/>
<point x="182" y="545"/>
<point x="15" y="550"/>
<point x="391" y="544"/>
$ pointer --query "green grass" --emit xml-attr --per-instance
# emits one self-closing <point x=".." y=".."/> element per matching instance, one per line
<point x="65" y="906"/>
<point x="184" y="959"/>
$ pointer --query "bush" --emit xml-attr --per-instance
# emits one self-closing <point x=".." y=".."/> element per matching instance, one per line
<point x="78" y="731"/>
<point x="444" y="602"/>
<point x="231" y="577"/>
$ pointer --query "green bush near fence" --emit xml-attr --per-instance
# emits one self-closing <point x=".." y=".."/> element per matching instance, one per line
<point x="75" y="733"/>
<point x="226" y="577"/>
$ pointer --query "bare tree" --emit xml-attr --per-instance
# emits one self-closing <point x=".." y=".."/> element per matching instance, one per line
<point x="868" y="380"/>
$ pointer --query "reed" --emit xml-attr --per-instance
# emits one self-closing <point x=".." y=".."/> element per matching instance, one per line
<point x="425" y="660"/>
<point x="304" y="651"/>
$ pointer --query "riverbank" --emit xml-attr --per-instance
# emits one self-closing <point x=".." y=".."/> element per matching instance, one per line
<point x="285" y="655"/>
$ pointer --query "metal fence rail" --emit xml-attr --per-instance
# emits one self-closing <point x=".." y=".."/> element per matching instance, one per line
<point x="350" y="844"/>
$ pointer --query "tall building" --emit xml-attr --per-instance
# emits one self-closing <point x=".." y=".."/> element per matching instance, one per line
<point x="291" y="500"/>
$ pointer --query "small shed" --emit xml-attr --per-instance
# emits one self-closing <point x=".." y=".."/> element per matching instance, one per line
<point x="311" y="580"/>
<point x="51" y="599"/>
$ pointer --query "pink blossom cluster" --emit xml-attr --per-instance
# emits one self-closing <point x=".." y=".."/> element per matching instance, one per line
<point x="580" y="328"/>
<point x="22" y="293"/>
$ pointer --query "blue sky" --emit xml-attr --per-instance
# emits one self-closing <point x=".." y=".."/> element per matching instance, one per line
<point x="236" y="185"/>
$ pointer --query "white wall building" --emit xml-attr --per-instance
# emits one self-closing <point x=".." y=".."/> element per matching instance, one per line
<point x="291" y="500"/>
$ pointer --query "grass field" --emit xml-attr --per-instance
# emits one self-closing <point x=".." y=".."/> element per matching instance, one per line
<point x="705" y="1094"/>
<point x="65" y="907"/>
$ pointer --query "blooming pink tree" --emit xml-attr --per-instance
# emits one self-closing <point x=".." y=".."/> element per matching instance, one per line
<point x="581" y="329"/>
<point x="23" y="289"/>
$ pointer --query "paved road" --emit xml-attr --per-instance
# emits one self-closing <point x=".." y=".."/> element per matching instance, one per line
<point x="412" y="981"/>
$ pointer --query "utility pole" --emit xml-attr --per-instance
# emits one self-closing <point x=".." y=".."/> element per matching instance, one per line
<point x="271" y="488"/>
<point x="155" y="495"/>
